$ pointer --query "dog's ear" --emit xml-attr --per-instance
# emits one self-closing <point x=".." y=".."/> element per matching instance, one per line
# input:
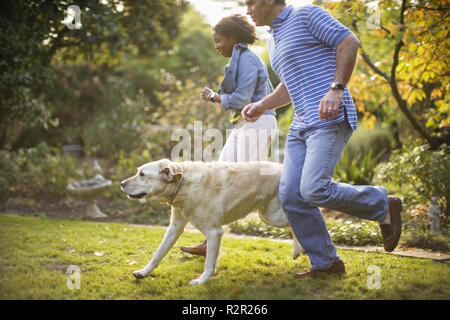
<point x="171" y="173"/>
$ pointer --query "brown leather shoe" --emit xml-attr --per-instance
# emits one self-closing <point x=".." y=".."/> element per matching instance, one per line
<point x="199" y="250"/>
<point x="391" y="232"/>
<point x="337" y="267"/>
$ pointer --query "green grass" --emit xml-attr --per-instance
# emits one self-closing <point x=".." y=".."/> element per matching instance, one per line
<point x="35" y="252"/>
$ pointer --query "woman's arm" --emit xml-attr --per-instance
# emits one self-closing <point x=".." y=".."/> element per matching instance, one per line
<point x="247" y="78"/>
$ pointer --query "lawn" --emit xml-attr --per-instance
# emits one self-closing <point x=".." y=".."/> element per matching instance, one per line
<point x="36" y="252"/>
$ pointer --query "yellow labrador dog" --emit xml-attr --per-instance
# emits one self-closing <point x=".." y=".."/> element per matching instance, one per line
<point x="208" y="195"/>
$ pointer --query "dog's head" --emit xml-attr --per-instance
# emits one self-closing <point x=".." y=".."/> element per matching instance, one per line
<point x="156" y="179"/>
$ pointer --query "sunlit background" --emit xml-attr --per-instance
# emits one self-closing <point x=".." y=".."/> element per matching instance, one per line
<point x="214" y="10"/>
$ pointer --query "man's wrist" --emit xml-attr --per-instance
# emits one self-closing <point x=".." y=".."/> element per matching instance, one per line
<point x="336" y="85"/>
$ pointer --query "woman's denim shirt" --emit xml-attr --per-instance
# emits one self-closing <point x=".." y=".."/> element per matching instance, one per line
<point x="246" y="80"/>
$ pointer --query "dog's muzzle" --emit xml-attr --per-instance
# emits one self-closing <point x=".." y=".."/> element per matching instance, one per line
<point x="132" y="196"/>
<point x="137" y="196"/>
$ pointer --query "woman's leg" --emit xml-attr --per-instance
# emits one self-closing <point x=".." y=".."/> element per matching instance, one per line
<point x="253" y="139"/>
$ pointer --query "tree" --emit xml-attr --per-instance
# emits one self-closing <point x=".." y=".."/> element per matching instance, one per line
<point x="32" y="33"/>
<point x="405" y="48"/>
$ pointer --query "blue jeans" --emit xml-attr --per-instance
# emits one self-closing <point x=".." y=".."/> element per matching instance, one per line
<point x="310" y="159"/>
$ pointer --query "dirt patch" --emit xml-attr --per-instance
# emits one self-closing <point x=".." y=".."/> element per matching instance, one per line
<point x="56" y="266"/>
<point x="67" y="208"/>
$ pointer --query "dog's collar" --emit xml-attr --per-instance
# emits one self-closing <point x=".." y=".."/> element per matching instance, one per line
<point x="172" y="197"/>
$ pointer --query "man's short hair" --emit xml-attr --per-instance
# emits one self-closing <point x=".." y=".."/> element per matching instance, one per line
<point x="279" y="2"/>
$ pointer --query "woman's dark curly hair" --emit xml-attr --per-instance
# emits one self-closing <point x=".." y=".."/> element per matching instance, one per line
<point x="238" y="27"/>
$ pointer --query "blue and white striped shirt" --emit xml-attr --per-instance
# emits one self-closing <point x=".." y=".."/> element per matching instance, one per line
<point x="302" y="52"/>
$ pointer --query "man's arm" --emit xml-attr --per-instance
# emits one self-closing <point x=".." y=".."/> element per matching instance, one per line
<point x="346" y="53"/>
<point x="278" y="98"/>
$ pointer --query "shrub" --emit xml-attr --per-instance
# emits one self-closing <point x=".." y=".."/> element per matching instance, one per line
<point x="376" y="140"/>
<point x="362" y="154"/>
<point x="357" y="170"/>
<point x="345" y="233"/>
<point x="355" y="233"/>
<point x="40" y="171"/>
<point x="253" y="225"/>
<point x="419" y="235"/>
<point x="418" y="173"/>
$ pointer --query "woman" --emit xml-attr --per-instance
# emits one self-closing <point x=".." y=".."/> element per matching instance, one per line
<point x="246" y="80"/>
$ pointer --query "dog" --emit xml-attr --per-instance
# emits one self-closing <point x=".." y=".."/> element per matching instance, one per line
<point x="209" y="195"/>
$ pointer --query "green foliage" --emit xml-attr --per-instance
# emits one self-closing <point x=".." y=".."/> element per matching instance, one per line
<point x="120" y="130"/>
<point x="253" y="225"/>
<point x="39" y="171"/>
<point x="358" y="170"/>
<point x="33" y="33"/>
<point x="362" y="154"/>
<point x="343" y="233"/>
<point x="420" y="236"/>
<point x="377" y="140"/>
<point x="404" y="51"/>
<point x="128" y="163"/>
<point x="355" y="233"/>
<point x="193" y="55"/>
<point x="418" y="173"/>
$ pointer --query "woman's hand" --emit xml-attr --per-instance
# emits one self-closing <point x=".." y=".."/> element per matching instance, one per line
<point x="206" y="92"/>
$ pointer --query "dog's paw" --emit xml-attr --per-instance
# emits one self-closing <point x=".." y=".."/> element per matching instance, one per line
<point x="197" y="281"/>
<point x="297" y="251"/>
<point x="139" y="274"/>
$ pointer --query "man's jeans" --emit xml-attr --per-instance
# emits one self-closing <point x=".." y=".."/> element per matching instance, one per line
<point x="305" y="185"/>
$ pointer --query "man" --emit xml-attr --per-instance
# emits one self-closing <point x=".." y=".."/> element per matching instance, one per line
<point x="314" y="55"/>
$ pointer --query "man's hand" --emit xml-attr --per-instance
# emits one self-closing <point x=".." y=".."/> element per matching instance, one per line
<point x="252" y="111"/>
<point x="206" y="92"/>
<point x="329" y="105"/>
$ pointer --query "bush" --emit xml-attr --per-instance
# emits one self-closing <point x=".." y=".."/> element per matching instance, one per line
<point x="419" y="235"/>
<point x="377" y="140"/>
<point x="355" y="233"/>
<point x="357" y="170"/>
<point x="362" y="154"/>
<point x="418" y="173"/>
<point x="40" y="171"/>
<point x="345" y="233"/>
<point x="253" y="225"/>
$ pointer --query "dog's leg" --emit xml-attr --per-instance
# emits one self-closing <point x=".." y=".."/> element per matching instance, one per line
<point x="297" y="248"/>
<point x="214" y="238"/>
<point x="175" y="229"/>
<point x="275" y="216"/>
